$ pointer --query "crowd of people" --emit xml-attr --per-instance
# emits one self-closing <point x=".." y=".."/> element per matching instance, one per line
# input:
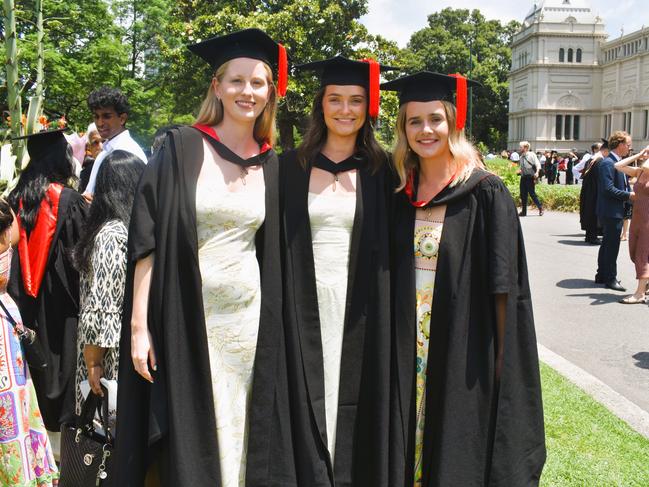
<point x="328" y="316"/>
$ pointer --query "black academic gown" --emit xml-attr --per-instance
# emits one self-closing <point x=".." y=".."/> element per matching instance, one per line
<point x="477" y="432"/>
<point x="362" y="443"/>
<point x="172" y="421"/>
<point x="54" y="313"/>
<point x="588" y="198"/>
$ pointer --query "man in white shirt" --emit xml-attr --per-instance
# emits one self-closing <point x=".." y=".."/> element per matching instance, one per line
<point x="579" y="167"/>
<point x="109" y="109"/>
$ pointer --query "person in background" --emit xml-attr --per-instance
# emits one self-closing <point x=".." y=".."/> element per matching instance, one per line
<point x="100" y="258"/>
<point x="639" y="228"/>
<point x="588" y="193"/>
<point x="93" y="148"/>
<point x="466" y="369"/>
<point x="44" y="282"/>
<point x="571" y="160"/>
<point x="529" y="168"/>
<point x="611" y="195"/>
<point x="26" y="457"/>
<point x="110" y="110"/>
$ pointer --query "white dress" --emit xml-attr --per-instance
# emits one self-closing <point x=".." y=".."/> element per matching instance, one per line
<point x="226" y="225"/>
<point x="332" y="219"/>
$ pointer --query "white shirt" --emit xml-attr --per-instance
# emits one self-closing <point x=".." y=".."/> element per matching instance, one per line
<point x="122" y="141"/>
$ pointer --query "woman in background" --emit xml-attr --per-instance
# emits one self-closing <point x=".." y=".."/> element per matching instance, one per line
<point x="100" y="257"/>
<point x="25" y="452"/>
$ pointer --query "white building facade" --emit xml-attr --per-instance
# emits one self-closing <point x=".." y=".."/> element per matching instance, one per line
<point x="569" y="86"/>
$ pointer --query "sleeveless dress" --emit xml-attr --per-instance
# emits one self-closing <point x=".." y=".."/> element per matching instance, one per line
<point x="332" y="219"/>
<point x="429" y="223"/>
<point x="26" y="458"/>
<point x="639" y="227"/>
<point x="226" y="224"/>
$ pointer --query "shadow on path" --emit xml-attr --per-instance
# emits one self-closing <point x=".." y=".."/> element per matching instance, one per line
<point x="642" y="360"/>
<point x="576" y="243"/>
<point x="599" y="298"/>
<point x="578" y="284"/>
<point x="580" y="235"/>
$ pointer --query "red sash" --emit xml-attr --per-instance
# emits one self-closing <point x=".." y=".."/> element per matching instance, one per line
<point x="33" y="252"/>
<point x="410" y="190"/>
<point x="208" y="130"/>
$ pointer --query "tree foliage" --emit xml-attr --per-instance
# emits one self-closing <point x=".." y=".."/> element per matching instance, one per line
<point x="140" y="47"/>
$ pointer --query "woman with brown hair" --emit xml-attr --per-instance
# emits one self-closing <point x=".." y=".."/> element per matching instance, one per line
<point x="337" y="312"/>
<point x="466" y="368"/>
<point x="206" y="286"/>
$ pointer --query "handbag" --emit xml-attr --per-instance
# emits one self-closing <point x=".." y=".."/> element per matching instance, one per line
<point x="85" y="452"/>
<point x="32" y="347"/>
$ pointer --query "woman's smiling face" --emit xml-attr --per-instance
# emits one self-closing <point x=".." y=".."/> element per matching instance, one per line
<point x="427" y="129"/>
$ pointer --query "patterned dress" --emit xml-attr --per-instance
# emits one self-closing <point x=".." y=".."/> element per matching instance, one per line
<point x="101" y="295"/>
<point x="226" y="224"/>
<point x="428" y="234"/>
<point x="26" y="458"/>
<point x="332" y="219"/>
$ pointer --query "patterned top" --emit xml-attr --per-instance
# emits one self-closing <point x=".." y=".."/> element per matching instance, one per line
<point x="101" y="296"/>
<point x="428" y="234"/>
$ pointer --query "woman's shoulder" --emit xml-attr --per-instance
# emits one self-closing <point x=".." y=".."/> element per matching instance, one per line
<point x="112" y="230"/>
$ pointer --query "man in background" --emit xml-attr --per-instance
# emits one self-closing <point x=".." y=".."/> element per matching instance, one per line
<point x="529" y="167"/>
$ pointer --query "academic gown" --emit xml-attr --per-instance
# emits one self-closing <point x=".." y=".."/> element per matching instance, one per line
<point x="477" y="432"/>
<point x="172" y="421"/>
<point x="54" y="312"/>
<point x="362" y="443"/>
<point x="588" y="198"/>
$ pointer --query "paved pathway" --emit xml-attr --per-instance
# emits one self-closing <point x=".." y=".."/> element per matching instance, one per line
<point x="580" y="320"/>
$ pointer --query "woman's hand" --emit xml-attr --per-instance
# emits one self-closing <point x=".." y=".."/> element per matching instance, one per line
<point x="94" y="357"/>
<point x="142" y="352"/>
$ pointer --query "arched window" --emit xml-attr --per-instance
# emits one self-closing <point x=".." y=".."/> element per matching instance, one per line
<point x="561" y="55"/>
<point x="570" y="55"/>
<point x="578" y="55"/>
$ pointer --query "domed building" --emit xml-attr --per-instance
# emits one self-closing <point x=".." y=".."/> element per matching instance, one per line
<point x="569" y="86"/>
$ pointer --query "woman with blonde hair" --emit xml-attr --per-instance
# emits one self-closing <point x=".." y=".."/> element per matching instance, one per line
<point x="466" y="368"/>
<point x="202" y="330"/>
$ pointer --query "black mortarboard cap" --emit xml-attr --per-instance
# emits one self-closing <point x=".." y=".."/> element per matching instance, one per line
<point x="47" y="142"/>
<point x="250" y="43"/>
<point x="339" y="70"/>
<point x="426" y="86"/>
<point x="604" y="144"/>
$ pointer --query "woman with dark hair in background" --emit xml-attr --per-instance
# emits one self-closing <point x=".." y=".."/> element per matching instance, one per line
<point x="44" y="282"/>
<point x="100" y="258"/>
<point x="24" y="446"/>
<point x="466" y="371"/>
<point x="553" y="168"/>
<point x="336" y="188"/>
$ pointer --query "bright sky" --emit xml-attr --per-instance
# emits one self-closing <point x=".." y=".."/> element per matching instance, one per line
<point x="398" y="19"/>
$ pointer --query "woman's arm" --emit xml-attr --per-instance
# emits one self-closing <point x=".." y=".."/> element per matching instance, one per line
<point x="94" y="358"/>
<point x="623" y="165"/>
<point x="141" y="346"/>
<point x="501" y="317"/>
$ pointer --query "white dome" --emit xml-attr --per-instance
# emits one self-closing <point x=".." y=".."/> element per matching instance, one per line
<point x="559" y="11"/>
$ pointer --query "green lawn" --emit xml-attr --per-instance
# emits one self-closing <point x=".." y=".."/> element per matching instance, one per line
<point x="588" y="445"/>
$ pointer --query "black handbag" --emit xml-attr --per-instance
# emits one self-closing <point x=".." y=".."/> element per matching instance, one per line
<point x="32" y="347"/>
<point x="86" y="452"/>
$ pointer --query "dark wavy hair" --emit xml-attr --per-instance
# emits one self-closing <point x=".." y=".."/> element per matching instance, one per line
<point x="106" y="97"/>
<point x="34" y="181"/>
<point x="6" y="217"/>
<point x="117" y="180"/>
<point x="316" y="135"/>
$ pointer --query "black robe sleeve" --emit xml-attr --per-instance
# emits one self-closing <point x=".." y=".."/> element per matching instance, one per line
<point x="54" y="313"/>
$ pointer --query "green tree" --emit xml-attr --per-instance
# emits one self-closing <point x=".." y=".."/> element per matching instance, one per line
<point x="463" y="41"/>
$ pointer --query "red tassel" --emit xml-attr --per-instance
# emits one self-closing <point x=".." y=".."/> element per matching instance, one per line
<point x="282" y="71"/>
<point x="460" y="101"/>
<point x="374" y="82"/>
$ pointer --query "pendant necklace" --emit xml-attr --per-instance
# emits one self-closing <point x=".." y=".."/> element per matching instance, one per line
<point x="243" y="173"/>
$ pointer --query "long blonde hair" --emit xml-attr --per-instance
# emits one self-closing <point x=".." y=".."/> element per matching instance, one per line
<point x="464" y="153"/>
<point x="211" y="112"/>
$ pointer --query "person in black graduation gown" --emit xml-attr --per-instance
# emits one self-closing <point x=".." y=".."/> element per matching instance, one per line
<point x="466" y="369"/>
<point x="588" y="194"/>
<point x="43" y="281"/>
<point x="168" y="411"/>
<point x="335" y="195"/>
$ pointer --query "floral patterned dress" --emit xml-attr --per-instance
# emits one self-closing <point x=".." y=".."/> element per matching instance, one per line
<point x="26" y="458"/>
<point x="226" y="224"/>
<point x="428" y="233"/>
